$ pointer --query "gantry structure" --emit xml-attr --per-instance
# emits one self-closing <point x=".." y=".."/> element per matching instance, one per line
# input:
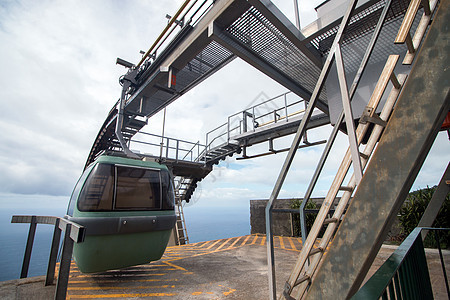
<point x="374" y="69"/>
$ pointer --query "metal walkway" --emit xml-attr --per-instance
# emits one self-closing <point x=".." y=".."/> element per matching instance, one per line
<point x="200" y="39"/>
<point x="257" y="32"/>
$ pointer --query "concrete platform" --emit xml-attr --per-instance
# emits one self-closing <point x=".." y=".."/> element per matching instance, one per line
<point x="234" y="268"/>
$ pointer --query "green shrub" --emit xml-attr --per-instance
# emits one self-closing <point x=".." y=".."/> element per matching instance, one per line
<point x="413" y="209"/>
<point x="295" y="204"/>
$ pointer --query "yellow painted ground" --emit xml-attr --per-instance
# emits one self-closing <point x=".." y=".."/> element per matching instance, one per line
<point x="167" y="277"/>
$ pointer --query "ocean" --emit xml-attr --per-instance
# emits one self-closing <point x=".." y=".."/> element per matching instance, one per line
<point x="202" y="223"/>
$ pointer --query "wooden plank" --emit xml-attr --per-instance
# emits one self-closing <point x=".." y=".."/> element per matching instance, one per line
<point x="407" y="22"/>
<point x="340" y="176"/>
<point x="370" y="146"/>
<point x="420" y="32"/>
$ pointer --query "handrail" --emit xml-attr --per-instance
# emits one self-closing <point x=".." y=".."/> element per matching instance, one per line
<point x="405" y="272"/>
<point x="190" y="150"/>
<point x="189" y="147"/>
<point x="279" y="109"/>
<point x="166" y="33"/>
<point x="262" y="103"/>
<point x="172" y="20"/>
<point x="74" y="233"/>
<point x="173" y="139"/>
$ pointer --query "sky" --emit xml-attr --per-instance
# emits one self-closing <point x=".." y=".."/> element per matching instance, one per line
<point x="59" y="80"/>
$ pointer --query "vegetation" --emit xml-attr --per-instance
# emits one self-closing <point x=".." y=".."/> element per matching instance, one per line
<point x="295" y="204"/>
<point x="413" y="209"/>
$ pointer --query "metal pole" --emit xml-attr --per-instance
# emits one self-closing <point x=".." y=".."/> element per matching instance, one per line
<point x="228" y="130"/>
<point x="285" y="107"/>
<point x="64" y="267"/>
<point x="254" y="118"/>
<point x="436" y="236"/>
<point x="270" y="253"/>
<point x="297" y="14"/>
<point x="53" y="254"/>
<point x="437" y="200"/>
<point x="162" y="135"/>
<point x="167" y="148"/>
<point x="29" y="247"/>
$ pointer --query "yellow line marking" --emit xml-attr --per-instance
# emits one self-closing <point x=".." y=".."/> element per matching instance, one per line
<point x="254" y="240"/>
<point x="113" y="275"/>
<point x="230" y="290"/>
<point x="292" y="243"/>
<point x="286" y="249"/>
<point x="117" y="287"/>
<point x="113" y="281"/>
<point x="234" y="243"/>
<point x="245" y="241"/>
<point x="175" y="266"/>
<point x="223" y="244"/>
<point x="214" y="244"/>
<point x="122" y="295"/>
<point x="263" y="241"/>
<point x="206" y="243"/>
<point x="281" y="242"/>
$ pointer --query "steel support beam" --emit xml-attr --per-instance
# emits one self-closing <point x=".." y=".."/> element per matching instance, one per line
<point x="413" y="126"/>
<point x="435" y="204"/>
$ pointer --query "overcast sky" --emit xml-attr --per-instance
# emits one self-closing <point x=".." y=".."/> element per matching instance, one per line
<point x="59" y="81"/>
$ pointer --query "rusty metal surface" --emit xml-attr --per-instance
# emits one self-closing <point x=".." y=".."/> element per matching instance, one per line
<point x="414" y="124"/>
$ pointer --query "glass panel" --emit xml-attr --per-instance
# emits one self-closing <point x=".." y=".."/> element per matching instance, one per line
<point x="168" y="200"/>
<point x="137" y="189"/>
<point x="76" y="191"/>
<point x="97" y="193"/>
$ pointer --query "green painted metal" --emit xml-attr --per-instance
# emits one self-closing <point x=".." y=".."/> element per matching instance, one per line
<point x="109" y="252"/>
<point x="404" y="275"/>
<point x="108" y="159"/>
<point x="104" y="252"/>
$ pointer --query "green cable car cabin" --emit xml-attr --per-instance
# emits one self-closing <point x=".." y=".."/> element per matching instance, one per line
<point x="127" y="207"/>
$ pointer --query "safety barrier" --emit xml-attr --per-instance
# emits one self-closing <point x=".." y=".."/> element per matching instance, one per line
<point x="73" y="233"/>
<point x="405" y="273"/>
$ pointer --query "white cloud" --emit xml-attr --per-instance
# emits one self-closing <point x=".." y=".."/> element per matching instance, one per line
<point x="59" y="81"/>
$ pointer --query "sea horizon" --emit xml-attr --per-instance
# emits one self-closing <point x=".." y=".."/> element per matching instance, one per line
<point x="203" y="223"/>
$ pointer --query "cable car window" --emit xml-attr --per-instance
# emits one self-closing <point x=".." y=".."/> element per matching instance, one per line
<point x="137" y="189"/>
<point x="98" y="191"/>
<point x="168" y="192"/>
<point x="76" y="191"/>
